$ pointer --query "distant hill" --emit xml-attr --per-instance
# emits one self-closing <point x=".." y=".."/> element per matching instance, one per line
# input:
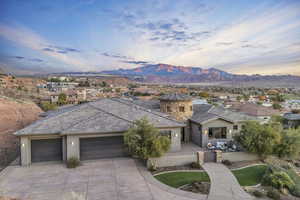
<point x="163" y="73"/>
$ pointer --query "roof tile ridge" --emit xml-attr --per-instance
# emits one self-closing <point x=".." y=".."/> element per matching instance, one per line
<point x="111" y="114"/>
<point x="146" y="110"/>
<point x="48" y="118"/>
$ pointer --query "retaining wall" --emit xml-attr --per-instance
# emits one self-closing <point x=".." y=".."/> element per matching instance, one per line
<point x="239" y="156"/>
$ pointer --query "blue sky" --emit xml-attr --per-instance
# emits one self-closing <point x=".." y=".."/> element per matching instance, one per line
<point x="252" y="37"/>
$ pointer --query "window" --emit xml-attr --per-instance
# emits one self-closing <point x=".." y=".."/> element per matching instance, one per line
<point x="217" y="133"/>
<point x="191" y="108"/>
<point x="169" y="109"/>
<point x="181" y="108"/>
<point x="166" y="133"/>
<point x="235" y="127"/>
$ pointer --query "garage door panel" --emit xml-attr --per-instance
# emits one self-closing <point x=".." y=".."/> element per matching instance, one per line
<point x="101" y="147"/>
<point x="46" y="150"/>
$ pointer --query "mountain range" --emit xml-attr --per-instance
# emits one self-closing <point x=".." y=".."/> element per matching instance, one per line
<point x="163" y="73"/>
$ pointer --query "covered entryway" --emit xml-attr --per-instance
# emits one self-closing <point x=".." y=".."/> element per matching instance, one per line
<point x="46" y="150"/>
<point x="101" y="147"/>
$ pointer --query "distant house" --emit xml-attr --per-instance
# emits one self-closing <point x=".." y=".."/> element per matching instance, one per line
<point x="74" y="96"/>
<point x="262" y="113"/>
<point x="291" y="120"/>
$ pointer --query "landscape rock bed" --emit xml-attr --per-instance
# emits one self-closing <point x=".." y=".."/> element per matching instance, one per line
<point x="197" y="187"/>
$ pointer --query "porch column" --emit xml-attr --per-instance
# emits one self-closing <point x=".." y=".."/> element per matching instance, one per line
<point x="73" y="149"/>
<point x="25" y="150"/>
<point x="204" y="136"/>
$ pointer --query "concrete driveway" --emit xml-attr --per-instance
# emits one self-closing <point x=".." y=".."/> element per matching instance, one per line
<point x="114" y="179"/>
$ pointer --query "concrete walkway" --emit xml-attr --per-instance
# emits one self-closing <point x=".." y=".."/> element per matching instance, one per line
<point x="224" y="185"/>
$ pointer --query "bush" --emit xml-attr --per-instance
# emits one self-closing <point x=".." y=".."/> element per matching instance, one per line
<point x="145" y="141"/>
<point x="258" y="193"/>
<point x="46" y="106"/>
<point x="195" y="165"/>
<point x="296" y="191"/>
<point x="273" y="194"/>
<point x="278" y="179"/>
<point x="226" y="162"/>
<point x="73" y="162"/>
<point x="258" y="138"/>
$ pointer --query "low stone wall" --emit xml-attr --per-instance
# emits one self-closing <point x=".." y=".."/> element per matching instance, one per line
<point x="173" y="160"/>
<point x="239" y="156"/>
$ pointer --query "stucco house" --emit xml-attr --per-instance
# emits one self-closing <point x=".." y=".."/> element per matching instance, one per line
<point x="291" y="120"/>
<point x="211" y="124"/>
<point x="95" y="130"/>
<point x="89" y="131"/>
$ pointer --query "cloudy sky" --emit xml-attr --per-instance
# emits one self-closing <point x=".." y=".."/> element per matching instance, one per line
<point x="257" y="36"/>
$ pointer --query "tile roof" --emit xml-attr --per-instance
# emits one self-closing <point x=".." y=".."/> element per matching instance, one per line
<point x="102" y="116"/>
<point x="255" y="110"/>
<point x="204" y="113"/>
<point x="175" y="97"/>
<point x="291" y="116"/>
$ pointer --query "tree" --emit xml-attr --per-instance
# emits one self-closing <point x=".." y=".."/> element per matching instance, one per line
<point x="46" y="106"/>
<point x="62" y="99"/>
<point x="238" y="98"/>
<point x="204" y="94"/>
<point x="103" y="84"/>
<point x="289" y="145"/>
<point x="144" y="140"/>
<point x="258" y="138"/>
<point x="277" y="106"/>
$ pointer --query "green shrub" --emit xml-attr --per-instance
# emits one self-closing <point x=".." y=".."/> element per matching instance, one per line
<point x="227" y="162"/>
<point x="273" y="194"/>
<point x="258" y="193"/>
<point x="73" y="162"/>
<point x="145" y="141"/>
<point x="195" y="165"/>
<point x="278" y="179"/>
<point x="296" y="191"/>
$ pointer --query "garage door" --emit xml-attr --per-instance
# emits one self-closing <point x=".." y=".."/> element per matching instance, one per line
<point x="46" y="150"/>
<point x="101" y="147"/>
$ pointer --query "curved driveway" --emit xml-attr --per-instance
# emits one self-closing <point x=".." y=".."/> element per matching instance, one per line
<point x="111" y="179"/>
<point x="224" y="185"/>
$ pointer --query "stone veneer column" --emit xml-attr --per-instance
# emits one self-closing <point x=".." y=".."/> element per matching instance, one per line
<point x="200" y="157"/>
<point x="218" y="156"/>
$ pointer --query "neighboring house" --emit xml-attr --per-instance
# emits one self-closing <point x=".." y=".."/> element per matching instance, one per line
<point x="211" y="124"/>
<point x="291" y="120"/>
<point x="74" y="96"/>
<point x="61" y="86"/>
<point x="262" y="113"/>
<point x="89" y="131"/>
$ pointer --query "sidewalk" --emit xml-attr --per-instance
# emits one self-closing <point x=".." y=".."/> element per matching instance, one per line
<point x="224" y="185"/>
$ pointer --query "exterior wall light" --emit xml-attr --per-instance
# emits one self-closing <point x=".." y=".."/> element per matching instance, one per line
<point x="205" y="131"/>
<point x="72" y="143"/>
<point x="176" y="135"/>
<point x="23" y="145"/>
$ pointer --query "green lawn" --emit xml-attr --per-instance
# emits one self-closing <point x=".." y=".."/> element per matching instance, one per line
<point x="251" y="175"/>
<point x="177" y="179"/>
